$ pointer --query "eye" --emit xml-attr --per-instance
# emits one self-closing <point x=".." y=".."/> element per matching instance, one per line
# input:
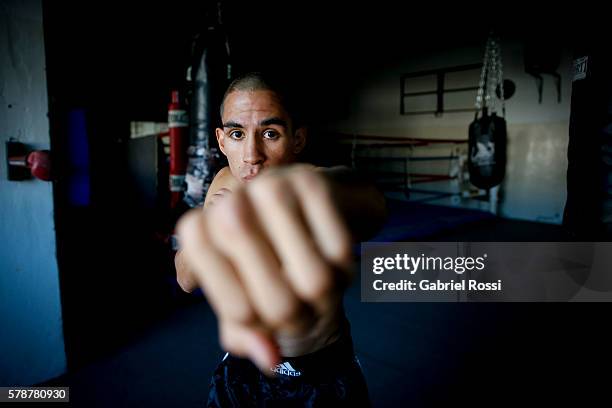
<point x="236" y="134"/>
<point x="270" y="134"/>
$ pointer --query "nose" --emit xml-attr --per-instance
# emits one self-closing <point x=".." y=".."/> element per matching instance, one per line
<point x="252" y="153"/>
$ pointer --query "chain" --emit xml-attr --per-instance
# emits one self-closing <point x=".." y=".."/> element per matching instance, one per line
<point x="483" y="79"/>
<point x="500" y="80"/>
<point x="491" y="77"/>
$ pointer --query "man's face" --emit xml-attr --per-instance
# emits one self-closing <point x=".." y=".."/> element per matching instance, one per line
<point x="257" y="133"/>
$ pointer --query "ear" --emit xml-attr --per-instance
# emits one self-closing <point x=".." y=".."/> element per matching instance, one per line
<point x="299" y="140"/>
<point x="220" y="139"/>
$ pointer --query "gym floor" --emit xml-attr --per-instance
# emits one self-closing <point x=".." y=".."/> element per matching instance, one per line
<point x="413" y="354"/>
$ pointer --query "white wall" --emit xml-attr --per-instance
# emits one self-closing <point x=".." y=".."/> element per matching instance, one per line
<point x="31" y="338"/>
<point x="534" y="188"/>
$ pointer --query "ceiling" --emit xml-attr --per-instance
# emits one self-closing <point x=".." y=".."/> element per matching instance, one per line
<point x="133" y="53"/>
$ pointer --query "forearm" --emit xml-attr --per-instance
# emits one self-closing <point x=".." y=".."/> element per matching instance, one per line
<point x="361" y="203"/>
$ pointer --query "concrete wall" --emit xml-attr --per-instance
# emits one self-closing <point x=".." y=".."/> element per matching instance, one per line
<point x="31" y="339"/>
<point x="534" y="188"/>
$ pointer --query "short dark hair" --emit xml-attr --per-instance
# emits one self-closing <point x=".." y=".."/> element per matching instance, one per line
<point x="257" y="81"/>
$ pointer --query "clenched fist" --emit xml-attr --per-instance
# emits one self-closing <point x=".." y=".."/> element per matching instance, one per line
<point x="272" y="256"/>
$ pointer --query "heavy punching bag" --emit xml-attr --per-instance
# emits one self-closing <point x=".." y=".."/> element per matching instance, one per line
<point x="210" y="71"/>
<point x="487" y="146"/>
<point x="588" y="209"/>
<point x="487" y="133"/>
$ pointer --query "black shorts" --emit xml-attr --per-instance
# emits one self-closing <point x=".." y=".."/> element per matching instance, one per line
<point x="330" y="377"/>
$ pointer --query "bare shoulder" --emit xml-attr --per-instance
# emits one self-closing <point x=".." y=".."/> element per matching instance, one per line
<point x="224" y="179"/>
<point x="222" y="174"/>
<point x="224" y="182"/>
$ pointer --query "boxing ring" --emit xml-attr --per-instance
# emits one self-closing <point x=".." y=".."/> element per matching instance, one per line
<point x="426" y="183"/>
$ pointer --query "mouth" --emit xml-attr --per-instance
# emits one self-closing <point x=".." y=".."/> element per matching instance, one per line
<point x="249" y="177"/>
<point x="250" y="172"/>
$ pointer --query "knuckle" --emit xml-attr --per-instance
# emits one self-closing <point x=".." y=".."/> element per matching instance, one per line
<point x="269" y="188"/>
<point x="343" y="253"/>
<point x="318" y="285"/>
<point x="312" y="182"/>
<point x="241" y="313"/>
<point x="310" y="178"/>
<point x="187" y="223"/>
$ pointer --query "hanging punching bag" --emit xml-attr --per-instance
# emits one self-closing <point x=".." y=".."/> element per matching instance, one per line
<point x="487" y="134"/>
<point x="487" y="149"/>
<point x="209" y="76"/>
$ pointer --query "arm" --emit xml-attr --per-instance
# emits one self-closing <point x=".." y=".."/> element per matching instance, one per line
<point x="222" y="184"/>
<point x="273" y="257"/>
